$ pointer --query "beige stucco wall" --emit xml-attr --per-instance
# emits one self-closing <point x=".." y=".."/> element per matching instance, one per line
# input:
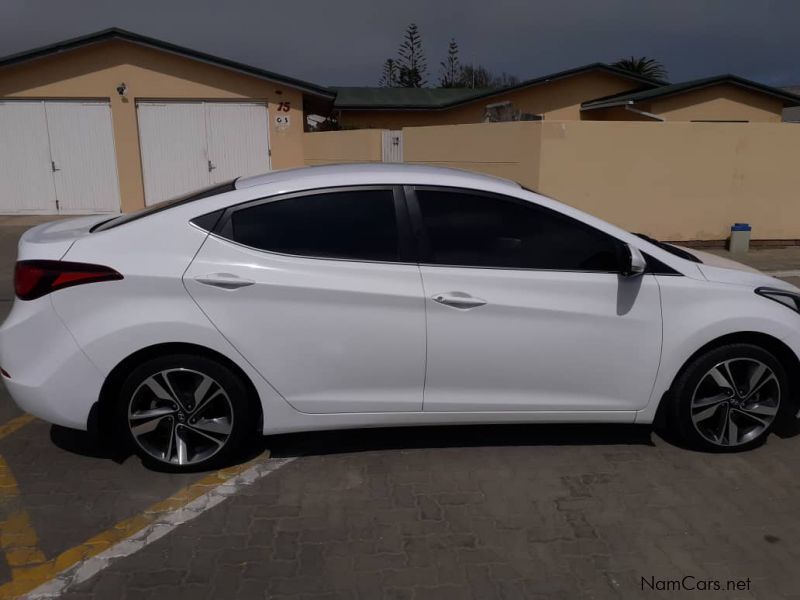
<point x="616" y="113"/>
<point x="719" y="103"/>
<point x="94" y="72"/>
<point x="677" y="181"/>
<point x="331" y="147"/>
<point x="674" y="181"/>
<point x="510" y="150"/>
<point x="560" y="99"/>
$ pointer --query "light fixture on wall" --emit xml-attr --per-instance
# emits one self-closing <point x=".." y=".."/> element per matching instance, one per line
<point x="122" y="89"/>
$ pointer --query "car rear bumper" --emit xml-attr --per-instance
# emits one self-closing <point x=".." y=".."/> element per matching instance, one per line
<point x="48" y="375"/>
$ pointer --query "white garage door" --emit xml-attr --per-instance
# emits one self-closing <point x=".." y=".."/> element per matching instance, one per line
<point x="190" y="145"/>
<point x="57" y="157"/>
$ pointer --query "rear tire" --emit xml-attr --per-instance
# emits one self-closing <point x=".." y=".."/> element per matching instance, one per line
<point x="728" y="399"/>
<point x="185" y="412"/>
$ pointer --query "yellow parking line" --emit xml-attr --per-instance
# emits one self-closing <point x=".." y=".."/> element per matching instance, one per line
<point x="19" y="542"/>
<point x="16" y="423"/>
<point x="29" y="578"/>
<point x="18" y="539"/>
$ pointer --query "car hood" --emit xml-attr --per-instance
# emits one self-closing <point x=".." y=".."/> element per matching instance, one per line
<point x="724" y="270"/>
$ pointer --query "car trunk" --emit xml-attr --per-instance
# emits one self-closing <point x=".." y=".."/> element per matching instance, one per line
<point x="52" y="240"/>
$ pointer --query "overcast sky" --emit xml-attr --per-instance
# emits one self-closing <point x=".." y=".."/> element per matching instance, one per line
<point x="344" y="42"/>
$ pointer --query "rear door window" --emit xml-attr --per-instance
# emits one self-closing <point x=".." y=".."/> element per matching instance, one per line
<point x="354" y="224"/>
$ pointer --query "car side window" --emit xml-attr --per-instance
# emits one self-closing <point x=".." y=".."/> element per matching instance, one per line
<point x="472" y="229"/>
<point x="346" y="224"/>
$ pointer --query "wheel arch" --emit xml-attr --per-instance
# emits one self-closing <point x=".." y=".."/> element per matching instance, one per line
<point x="782" y="352"/>
<point x="103" y="409"/>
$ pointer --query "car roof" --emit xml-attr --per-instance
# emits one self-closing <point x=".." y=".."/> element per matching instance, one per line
<point x="378" y="173"/>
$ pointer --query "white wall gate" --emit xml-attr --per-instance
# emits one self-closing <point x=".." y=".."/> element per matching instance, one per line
<point x="393" y="146"/>
<point x="57" y="157"/>
<point x="190" y="145"/>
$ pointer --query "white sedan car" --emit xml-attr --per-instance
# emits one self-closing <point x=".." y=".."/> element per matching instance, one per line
<point x="385" y="295"/>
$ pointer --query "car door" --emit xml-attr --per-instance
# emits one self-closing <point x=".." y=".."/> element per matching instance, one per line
<point x="526" y="310"/>
<point x="317" y="292"/>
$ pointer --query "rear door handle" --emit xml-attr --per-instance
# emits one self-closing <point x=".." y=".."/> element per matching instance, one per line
<point x="459" y="300"/>
<point x="226" y="281"/>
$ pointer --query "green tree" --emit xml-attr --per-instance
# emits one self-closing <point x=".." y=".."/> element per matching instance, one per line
<point x="451" y="67"/>
<point x="641" y="65"/>
<point x="390" y="75"/>
<point x="504" y="80"/>
<point x="409" y="68"/>
<point x="479" y="77"/>
<point x="411" y="59"/>
<point x="476" y="77"/>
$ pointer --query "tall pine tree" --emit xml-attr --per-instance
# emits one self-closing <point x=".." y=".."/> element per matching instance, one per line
<point x="411" y="60"/>
<point x="390" y="73"/>
<point x="451" y="67"/>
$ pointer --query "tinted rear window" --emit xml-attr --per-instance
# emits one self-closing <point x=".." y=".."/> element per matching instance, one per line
<point x="221" y="188"/>
<point x="352" y="224"/>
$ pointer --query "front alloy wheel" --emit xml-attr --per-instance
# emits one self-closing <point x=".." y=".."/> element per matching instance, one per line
<point x="736" y="402"/>
<point x="729" y="398"/>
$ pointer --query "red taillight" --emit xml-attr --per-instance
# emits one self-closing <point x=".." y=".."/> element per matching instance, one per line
<point x="36" y="278"/>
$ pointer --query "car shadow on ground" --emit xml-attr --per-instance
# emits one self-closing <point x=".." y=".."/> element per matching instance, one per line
<point x="319" y="443"/>
<point x="460" y="436"/>
<point x="396" y="438"/>
<point x="86" y="444"/>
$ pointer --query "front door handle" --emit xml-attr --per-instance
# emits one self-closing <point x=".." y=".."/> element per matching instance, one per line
<point x="226" y="281"/>
<point x="459" y="300"/>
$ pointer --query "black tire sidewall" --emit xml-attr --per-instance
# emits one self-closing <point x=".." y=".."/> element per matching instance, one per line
<point x="243" y="413"/>
<point x="689" y="378"/>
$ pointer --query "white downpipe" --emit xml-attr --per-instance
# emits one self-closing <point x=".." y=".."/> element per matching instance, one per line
<point x="644" y="113"/>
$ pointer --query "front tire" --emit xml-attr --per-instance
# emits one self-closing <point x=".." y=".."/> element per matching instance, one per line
<point x="729" y="398"/>
<point x="185" y="413"/>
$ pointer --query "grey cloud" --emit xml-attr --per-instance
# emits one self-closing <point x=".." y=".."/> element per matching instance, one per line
<point x="345" y="42"/>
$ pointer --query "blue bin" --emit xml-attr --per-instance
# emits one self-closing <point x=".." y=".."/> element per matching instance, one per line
<point x="740" y="238"/>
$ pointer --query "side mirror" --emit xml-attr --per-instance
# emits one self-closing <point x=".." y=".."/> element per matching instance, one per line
<point x="633" y="263"/>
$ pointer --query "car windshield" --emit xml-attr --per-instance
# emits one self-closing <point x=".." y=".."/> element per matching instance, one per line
<point x="680" y="252"/>
<point x="220" y="188"/>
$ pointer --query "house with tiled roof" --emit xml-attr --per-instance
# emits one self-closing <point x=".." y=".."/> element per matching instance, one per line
<point x="593" y="92"/>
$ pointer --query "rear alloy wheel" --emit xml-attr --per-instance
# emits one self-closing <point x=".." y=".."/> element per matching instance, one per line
<point x="185" y="412"/>
<point x="730" y="397"/>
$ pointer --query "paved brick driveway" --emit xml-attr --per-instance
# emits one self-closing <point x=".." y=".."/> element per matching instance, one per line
<point x="473" y="512"/>
<point x="485" y="512"/>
